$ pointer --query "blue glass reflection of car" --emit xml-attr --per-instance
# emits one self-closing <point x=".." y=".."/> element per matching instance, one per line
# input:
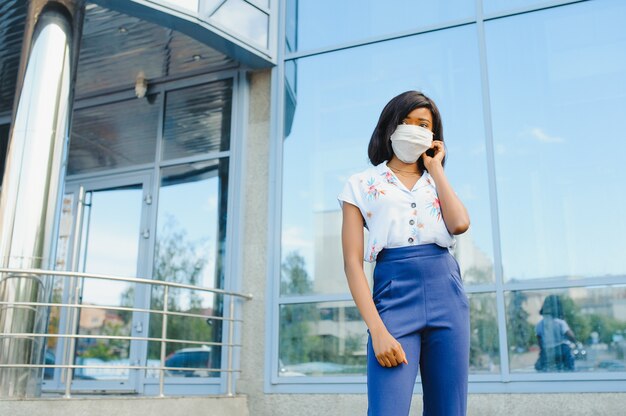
<point x="49" y="359"/>
<point x="190" y="358"/>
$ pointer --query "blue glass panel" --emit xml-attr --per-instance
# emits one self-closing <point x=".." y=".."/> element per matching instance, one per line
<point x="244" y="19"/>
<point x="558" y="104"/>
<point x="503" y="6"/>
<point x="322" y="23"/>
<point x="335" y="114"/>
<point x="567" y="330"/>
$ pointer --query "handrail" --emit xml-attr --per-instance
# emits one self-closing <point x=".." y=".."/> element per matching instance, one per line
<point x="72" y="328"/>
<point x="119" y="308"/>
<point x="123" y="279"/>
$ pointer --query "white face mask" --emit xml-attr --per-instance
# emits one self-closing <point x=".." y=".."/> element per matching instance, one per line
<point x="409" y="142"/>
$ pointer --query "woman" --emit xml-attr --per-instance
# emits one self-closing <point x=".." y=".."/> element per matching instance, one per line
<point x="418" y="312"/>
<point x="553" y="333"/>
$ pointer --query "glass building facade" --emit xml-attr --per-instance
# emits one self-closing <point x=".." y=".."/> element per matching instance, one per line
<point x="225" y="174"/>
<point x="531" y="97"/>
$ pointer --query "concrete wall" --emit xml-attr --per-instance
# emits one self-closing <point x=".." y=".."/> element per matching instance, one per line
<point x="254" y="241"/>
<point x="130" y="406"/>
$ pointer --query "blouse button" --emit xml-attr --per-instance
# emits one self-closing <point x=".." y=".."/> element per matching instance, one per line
<point x="413" y="204"/>
<point x="412" y="222"/>
<point x="410" y="239"/>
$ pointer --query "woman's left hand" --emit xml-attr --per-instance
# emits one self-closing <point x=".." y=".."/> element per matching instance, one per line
<point x="437" y="158"/>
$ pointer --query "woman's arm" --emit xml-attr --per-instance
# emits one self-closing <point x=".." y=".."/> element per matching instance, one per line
<point x="388" y="350"/>
<point x="453" y="211"/>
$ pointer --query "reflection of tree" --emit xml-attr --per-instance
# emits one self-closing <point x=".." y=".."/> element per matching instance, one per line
<point x="477" y="274"/>
<point x="299" y="342"/>
<point x="294" y="280"/>
<point x="296" y="343"/>
<point x="522" y="336"/>
<point x="484" y="335"/>
<point x="179" y="260"/>
<point x="520" y="332"/>
<point x="109" y="349"/>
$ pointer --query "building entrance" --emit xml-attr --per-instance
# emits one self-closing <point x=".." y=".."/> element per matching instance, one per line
<point x="111" y="216"/>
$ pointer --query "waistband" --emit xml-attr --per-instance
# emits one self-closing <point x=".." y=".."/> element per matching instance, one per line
<point x="419" y="250"/>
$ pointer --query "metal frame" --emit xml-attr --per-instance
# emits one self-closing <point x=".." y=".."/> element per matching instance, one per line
<point x="504" y="381"/>
<point x="196" y="26"/>
<point x="151" y="174"/>
<point x="74" y="306"/>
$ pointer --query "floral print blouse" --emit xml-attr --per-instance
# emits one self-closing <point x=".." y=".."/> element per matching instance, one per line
<point x="394" y="215"/>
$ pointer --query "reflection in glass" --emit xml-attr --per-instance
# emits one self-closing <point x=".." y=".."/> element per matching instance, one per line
<point x="61" y="263"/>
<point x="321" y="339"/>
<point x="113" y="135"/>
<point x="335" y="115"/>
<point x="323" y="23"/>
<point x="190" y="245"/>
<point x="484" y="344"/>
<point x="244" y="19"/>
<point x="197" y="120"/>
<point x="503" y="6"/>
<point x="551" y="117"/>
<point x="4" y="142"/>
<point x="576" y="329"/>
<point x="109" y="246"/>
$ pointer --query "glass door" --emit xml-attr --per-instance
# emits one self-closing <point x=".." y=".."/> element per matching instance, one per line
<point x="114" y="239"/>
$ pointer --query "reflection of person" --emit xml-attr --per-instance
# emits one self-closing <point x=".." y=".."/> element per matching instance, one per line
<point x="418" y="313"/>
<point x="552" y="334"/>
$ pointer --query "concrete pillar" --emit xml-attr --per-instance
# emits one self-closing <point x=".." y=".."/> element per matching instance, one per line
<point x="33" y="180"/>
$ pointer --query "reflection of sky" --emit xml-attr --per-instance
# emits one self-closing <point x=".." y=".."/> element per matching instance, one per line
<point x="194" y="207"/>
<point x="245" y="19"/>
<point x="337" y="111"/>
<point x="115" y="228"/>
<point x="112" y="247"/>
<point x="330" y="22"/>
<point x="558" y="106"/>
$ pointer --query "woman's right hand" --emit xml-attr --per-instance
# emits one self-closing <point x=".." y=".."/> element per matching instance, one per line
<point x="388" y="350"/>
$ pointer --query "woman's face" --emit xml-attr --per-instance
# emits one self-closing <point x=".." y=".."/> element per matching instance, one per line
<point x="420" y="117"/>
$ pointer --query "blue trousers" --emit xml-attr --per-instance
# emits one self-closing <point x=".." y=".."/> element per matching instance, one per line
<point x="419" y="295"/>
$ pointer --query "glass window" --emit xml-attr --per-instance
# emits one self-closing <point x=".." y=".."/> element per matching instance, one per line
<point x="190" y="5"/>
<point x="558" y="106"/>
<point x="323" y="23"/>
<point x="580" y="329"/>
<point x="245" y="19"/>
<point x="189" y="249"/>
<point x="197" y="120"/>
<point x="330" y="338"/>
<point x="4" y="142"/>
<point x="334" y="117"/>
<point x="504" y="6"/>
<point x="322" y="339"/>
<point x="484" y="344"/>
<point x="106" y="137"/>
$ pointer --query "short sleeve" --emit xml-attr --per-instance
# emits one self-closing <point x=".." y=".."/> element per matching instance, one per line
<point x="350" y="193"/>
<point x="564" y="326"/>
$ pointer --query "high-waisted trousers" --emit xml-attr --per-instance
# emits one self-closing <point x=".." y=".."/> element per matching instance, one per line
<point x="419" y="295"/>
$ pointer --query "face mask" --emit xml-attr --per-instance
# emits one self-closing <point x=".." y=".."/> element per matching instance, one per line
<point x="409" y="142"/>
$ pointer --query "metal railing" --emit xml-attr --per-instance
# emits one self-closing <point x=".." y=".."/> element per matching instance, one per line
<point x="72" y="326"/>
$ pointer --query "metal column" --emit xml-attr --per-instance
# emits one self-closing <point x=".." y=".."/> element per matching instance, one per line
<point x="33" y="181"/>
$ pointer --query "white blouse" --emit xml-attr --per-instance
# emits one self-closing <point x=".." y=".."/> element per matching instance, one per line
<point x="394" y="215"/>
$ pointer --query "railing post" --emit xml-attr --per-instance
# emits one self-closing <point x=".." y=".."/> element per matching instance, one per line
<point x="163" y="337"/>
<point x="72" y="352"/>
<point x="231" y="324"/>
<point x="74" y="291"/>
